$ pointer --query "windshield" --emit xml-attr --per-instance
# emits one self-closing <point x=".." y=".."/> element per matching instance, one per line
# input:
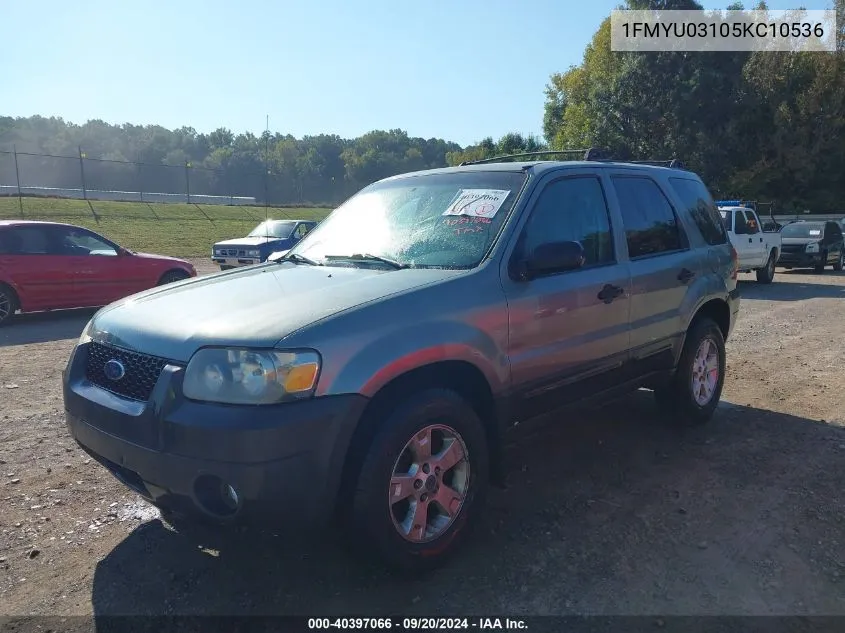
<point x="273" y="228"/>
<point x="803" y="229"/>
<point x="446" y="220"/>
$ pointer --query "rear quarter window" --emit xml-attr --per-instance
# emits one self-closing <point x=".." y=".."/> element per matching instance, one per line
<point x="699" y="204"/>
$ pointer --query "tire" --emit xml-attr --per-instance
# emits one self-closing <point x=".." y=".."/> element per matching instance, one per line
<point x="765" y="275"/>
<point x="384" y="523"/>
<point x="820" y="268"/>
<point x="9" y="304"/>
<point x="172" y="276"/>
<point x="677" y="398"/>
<point x="840" y="262"/>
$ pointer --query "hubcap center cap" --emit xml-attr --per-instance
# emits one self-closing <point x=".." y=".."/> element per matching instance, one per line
<point x="431" y="483"/>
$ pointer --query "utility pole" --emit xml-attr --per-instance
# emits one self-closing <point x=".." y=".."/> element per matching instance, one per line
<point x="82" y="173"/>
<point x="266" y="169"/>
<point x="18" y="178"/>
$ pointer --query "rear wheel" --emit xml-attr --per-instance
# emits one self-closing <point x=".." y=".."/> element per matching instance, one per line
<point x="765" y="275"/>
<point x="172" y="276"/>
<point x="8" y="303"/>
<point x="422" y="482"/>
<point x="840" y="261"/>
<point x="693" y="393"/>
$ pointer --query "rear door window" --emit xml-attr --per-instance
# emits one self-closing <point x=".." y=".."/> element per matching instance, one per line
<point x="651" y="226"/>
<point x="699" y="204"/>
<point x="28" y="240"/>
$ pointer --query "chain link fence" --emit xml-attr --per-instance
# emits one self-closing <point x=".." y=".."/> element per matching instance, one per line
<point x="83" y="177"/>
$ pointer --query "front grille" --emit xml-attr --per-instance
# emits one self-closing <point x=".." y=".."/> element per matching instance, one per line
<point x="142" y="371"/>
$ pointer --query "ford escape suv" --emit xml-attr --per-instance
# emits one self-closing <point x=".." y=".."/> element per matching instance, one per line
<point x="370" y="375"/>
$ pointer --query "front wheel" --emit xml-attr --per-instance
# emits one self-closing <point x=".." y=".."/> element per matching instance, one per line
<point x="422" y="482"/>
<point x="8" y="304"/>
<point x="693" y="393"/>
<point x="767" y="274"/>
<point x="172" y="276"/>
<point x="820" y="267"/>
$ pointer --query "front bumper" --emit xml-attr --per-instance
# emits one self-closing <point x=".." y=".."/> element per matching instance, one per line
<point x="235" y="262"/>
<point x="800" y="260"/>
<point x="283" y="461"/>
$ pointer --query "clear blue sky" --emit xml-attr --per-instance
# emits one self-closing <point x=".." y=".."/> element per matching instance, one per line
<point x="458" y="70"/>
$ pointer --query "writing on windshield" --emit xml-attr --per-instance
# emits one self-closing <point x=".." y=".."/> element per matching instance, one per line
<point x="416" y="221"/>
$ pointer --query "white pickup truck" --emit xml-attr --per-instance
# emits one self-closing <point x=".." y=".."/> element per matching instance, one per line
<point x="757" y="250"/>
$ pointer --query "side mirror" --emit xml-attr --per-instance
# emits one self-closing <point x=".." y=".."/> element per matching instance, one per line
<point x="553" y="257"/>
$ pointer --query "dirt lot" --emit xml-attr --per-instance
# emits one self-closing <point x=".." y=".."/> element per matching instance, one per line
<point x="607" y="512"/>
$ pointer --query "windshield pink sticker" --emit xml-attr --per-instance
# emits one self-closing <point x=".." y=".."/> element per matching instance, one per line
<point x="477" y="203"/>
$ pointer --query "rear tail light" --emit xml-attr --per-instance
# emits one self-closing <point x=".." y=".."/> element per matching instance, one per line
<point x="734" y="262"/>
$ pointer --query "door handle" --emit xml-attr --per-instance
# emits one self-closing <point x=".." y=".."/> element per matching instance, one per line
<point x="609" y="293"/>
<point x="750" y="239"/>
<point x="685" y="275"/>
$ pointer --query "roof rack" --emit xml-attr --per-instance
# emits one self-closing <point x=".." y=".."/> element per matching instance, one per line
<point x="585" y="153"/>
<point x="674" y="163"/>
<point x="589" y="154"/>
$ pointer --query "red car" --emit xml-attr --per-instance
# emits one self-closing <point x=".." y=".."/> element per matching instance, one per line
<point x="52" y="266"/>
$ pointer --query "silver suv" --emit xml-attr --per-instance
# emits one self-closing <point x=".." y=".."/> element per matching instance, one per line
<point x="370" y="375"/>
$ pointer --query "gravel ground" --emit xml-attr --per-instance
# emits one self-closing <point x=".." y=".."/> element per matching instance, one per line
<point x="607" y="511"/>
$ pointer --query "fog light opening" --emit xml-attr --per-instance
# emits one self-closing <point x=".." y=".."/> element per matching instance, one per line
<point x="216" y="497"/>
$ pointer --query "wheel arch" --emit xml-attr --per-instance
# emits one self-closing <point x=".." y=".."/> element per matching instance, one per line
<point x="460" y="376"/>
<point x="717" y="310"/>
<point x="175" y="269"/>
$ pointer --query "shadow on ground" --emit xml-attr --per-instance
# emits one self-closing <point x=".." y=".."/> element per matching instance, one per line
<point x="44" y="327"/>
<point x="796" y="289"/>
<point x="607" y="511"/>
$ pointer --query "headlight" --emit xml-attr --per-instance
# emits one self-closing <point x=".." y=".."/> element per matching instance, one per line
<point x="85" y="337"/>
<point x="245" y="376"/>
<point x="218" y="252"/>
<point x="813" y="248"/>
<point x="253" y="253"/>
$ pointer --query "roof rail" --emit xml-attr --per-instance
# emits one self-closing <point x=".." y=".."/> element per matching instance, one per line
<point x="585" y="153"/>
<point x="674" y="163"/>
<point x="590" y="154"/>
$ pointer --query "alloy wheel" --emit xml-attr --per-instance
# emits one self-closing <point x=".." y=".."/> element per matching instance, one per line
<point x="429" y="483"/>
<point x="705" y="372"/>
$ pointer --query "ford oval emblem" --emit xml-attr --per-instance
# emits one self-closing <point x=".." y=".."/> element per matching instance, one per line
<point x="114" y="370"/>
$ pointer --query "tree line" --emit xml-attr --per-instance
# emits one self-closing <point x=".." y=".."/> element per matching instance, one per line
<point x="762" y="125"/>
<point x="765" y="125"/>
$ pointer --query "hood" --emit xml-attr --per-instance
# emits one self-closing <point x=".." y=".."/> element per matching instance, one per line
<point x="165" y="258"/>
<point x="250" y="241"/>
<point x="252" y="307"/>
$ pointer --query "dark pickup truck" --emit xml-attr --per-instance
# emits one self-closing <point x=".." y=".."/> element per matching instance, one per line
<point x="372" y="376"/>
<point x="268" y="237"/>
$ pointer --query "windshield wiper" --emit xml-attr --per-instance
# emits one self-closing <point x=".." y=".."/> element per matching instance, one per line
<point x="296" y="258"/>
<point x="375" y="258"/>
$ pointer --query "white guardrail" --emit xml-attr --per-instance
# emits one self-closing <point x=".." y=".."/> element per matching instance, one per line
<point x="127" y="196"/>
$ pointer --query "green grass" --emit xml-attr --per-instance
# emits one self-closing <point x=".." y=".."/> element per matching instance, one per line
<point x="182" y="230"/>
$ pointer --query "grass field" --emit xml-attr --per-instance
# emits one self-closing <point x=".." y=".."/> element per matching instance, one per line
<point x="183" y="230"/>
